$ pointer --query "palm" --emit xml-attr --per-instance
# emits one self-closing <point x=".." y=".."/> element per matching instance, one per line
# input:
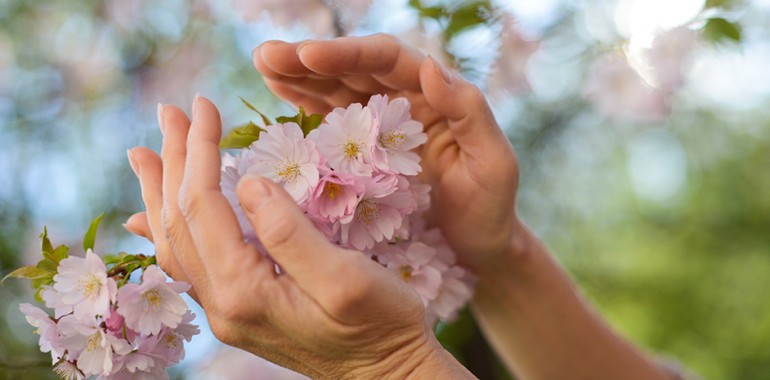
<point x="467" y="160"/>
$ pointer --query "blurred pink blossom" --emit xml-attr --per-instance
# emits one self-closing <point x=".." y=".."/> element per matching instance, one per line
<point x="669" y="55"/>
<point x="229" y="363"/>
<point x="508" y="75"/>
<point x="619" y="92"/>
<point x="316" y="15"/>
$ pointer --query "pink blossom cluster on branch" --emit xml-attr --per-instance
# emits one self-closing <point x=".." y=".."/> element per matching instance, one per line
<point x="111" y="329"/>
<point x="355" y="177"/>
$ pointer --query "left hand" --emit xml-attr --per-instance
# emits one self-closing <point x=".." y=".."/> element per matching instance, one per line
<point x="334" y="314"/>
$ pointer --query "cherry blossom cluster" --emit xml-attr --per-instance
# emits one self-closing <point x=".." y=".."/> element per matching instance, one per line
<point x="354" y="176"/>
<point x="107" y="327"/>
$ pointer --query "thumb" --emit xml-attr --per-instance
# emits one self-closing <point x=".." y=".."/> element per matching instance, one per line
<point x="347" y="284"/>
<point x="289" y="236"/>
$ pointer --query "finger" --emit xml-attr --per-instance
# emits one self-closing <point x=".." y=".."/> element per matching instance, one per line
<point x="311" y="103"/>
<point x="175" y="126"/>
<point x="211" y="221"/>
<point x="464" y="106"/>
<point x="148" y="168"/>
<point x="280" y="58"/>
<point x="138" y="224"/>
<point x="279" y="62"/>
<point x="383" y="56"/>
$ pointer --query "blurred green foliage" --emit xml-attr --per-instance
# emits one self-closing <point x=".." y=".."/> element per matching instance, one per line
<point x="683" y="277"/>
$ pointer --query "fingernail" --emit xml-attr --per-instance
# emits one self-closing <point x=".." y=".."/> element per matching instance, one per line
<point x="255" y="192"/>
<point x="440" y="70"/>
<point x="302" y="45"/>
<point x="195" y="102"/>
<point x="161" y="121"/>
<point x="132" y="161"/>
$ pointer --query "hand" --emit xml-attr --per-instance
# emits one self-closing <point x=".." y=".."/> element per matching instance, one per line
<point x="335" y="314"/>
<point x="467" y="159"/>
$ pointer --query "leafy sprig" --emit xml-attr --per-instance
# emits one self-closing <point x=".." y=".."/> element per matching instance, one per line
<point x="245" y="135"/>
<point x="119" y="266"/>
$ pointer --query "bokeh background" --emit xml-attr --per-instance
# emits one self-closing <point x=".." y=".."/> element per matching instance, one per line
<point x="643" y="128"/>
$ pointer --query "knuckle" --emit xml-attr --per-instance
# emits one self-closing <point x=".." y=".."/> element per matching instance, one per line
<point x="173" y="225"/>
<point x="473" y="95"/>
<point x="348" y="297"/>
<point x="190" y="202"/>
<point x="221" y="329"/>
<point x="387" y="39"/>
<point x="165" y="262"/>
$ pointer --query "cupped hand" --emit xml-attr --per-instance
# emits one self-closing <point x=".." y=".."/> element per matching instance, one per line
<point x="468" y="160"/>
<point x="334" y="314"/>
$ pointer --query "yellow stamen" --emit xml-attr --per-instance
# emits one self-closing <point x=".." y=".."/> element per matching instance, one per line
<point x="288" y="171"/>
<point x="93" y="342"/>
<point x="392" y="139"/>
<point x="406" y="272"/>
<point x="90" y="286"/>
<point x="171" y="340"/>
<point x="152" y="300"/>
<point x="332" y="190"/>
<point x="351" y="149"/>
<point x="367" y="211"/>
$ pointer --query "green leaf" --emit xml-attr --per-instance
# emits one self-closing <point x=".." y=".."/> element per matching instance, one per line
<point x="47" y="247"/>
<point x="48" y="265"/>
<point x="306" y="122"/>
<point x="241" y="137"/>
<point x="60" y="253"/>
<point x="39" y="282"/>
<point x="90" y="238"/>
<point x="149" y="260"/>
<point x="435" y="12"/>
<point x="39" y="296"/>
<point x="30" y="272"/>
<point x="114" y="259"/>
<point x="718" y="29"/>
<point x="467" y="16"/>
<point x="718" y="4"/>
<point x="265" y="119"/>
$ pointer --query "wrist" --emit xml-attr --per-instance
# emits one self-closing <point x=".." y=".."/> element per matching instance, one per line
<point x="438" y="363"/>
<point x="426" y="359"/>
<point x="513" y="257"/>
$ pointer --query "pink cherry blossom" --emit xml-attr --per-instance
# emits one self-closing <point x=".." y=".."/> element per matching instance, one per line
<point x="141" y="363"/>
<point x="116" y="326"/>
<point x="397" y="135"/>
<point x="49" y="334"/>
<point x="455" y="291"/>
<point x="168" y="345"/>
<point x="67" y="370"/>
<point x="90" y="345"/>
<point x="283" y="155"/>
<point x="385" y="202"/>
<point x="347" y="139"/>
<point x="53" y="300"/>
<point x="83" y="284"/>
<point x="335" y="197"/>
<point x="417" y="264"/>
<point x="154" y="303"/>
